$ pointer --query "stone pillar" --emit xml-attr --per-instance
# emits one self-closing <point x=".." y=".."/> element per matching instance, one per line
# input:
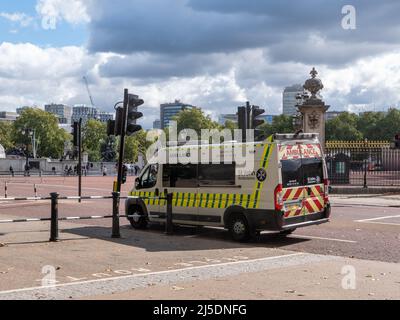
<point x="313" y="109"/>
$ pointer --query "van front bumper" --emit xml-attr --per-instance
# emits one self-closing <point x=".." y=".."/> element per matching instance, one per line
<point x="273" y="220"/>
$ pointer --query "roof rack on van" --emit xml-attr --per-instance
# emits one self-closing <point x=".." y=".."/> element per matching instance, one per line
<point x="299" y="136"/>
<point x="186" y="143"/>
<point x="196" y="143"/>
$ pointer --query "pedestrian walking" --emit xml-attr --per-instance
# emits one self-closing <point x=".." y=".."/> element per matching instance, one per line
<point x="12" y="171"/>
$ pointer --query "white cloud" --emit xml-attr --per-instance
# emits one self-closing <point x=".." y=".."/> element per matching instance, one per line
<point x="55" y="11"/>
<point x="22" y="19"/>
<point x="32" y="75"/>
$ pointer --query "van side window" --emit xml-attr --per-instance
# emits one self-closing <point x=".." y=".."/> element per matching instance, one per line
<point x="180" y="176"/>
<point x="217" y="174"/>
<point x="149" y="177"/>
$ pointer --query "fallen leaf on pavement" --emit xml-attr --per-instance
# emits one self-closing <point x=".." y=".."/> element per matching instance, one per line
<point x="177" y="288"/>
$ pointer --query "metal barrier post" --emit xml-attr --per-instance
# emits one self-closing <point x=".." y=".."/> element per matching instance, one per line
<point x="5" y="190"/>
<point x="115" y="219"/>
<point x="169" y="228"/>
<point x="54" y="217"/>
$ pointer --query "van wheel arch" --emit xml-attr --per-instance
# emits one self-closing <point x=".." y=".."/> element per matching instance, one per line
<point x="232" y="211"/>
<point x="136" y="202"/>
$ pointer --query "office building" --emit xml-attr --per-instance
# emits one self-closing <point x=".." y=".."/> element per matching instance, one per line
<point x="8" y="116"/>
<point x="22" y="109"/>
<point x="105" y="116"/>
<point x="61" y="111"/>
<point x="223" y="118"/>
<point x="289" y="99"/>
<point x="329" y="115"/>
<point x="157" y="124"/>
<point x="170" y="110"/>
<point x="84" y="112"/>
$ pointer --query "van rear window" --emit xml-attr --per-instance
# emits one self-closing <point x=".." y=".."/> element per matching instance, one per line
<point x="301" y="172"/>
<point x="291" y="173"/>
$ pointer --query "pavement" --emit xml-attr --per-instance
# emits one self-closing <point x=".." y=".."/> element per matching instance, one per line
<point x="355" y="256"/>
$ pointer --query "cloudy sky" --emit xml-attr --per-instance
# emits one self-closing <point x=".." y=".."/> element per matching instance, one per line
<point x="216" y="54"/>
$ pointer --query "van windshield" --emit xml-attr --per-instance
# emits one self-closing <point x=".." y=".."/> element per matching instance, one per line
<point x="300" y="172"/>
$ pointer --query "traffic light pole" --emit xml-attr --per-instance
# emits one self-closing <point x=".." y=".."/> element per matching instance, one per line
<point x="79" y="169"/>
<point x="122" y="141"/>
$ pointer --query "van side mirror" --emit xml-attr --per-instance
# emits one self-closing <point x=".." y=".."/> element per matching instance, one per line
<point x="137" y="183"/>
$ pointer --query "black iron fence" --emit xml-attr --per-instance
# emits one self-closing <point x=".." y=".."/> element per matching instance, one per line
<point x="363" y="164"/>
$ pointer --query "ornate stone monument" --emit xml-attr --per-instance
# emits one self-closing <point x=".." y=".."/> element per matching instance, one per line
<point x="313" y="109"/>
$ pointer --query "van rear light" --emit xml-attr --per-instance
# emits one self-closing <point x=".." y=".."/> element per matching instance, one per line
<point x="326" y="191"/>
<point x="278" y="197"/>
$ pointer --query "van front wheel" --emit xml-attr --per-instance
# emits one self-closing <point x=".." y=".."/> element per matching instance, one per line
<point x="239" y="228"/>
<point x="137" y="218"/>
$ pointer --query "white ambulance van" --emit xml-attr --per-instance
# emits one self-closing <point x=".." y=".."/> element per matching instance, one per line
<point x="287" y="188"/>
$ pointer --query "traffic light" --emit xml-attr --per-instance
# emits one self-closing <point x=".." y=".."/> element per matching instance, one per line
<point x="133" y="115"/>
<point x="242" y="121"/>
<point x="255" y="120"/>
<point x="119" y="121"/>
<point x="397" y="141"/>
<point x="75" y="133"/>
<point x="124" y="173"/>
<point x="110" y="127"/>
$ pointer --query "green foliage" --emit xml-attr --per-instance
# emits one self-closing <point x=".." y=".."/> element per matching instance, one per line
<point x="343" y="127"/>
<point x="49" y="136"/>
<point x="135" y="145"/>
<point x="195" y="119"/>
<point x="280" y="124"/>
<point x="6" y="134"/>
<point x="94" y="134"/>
<point x="369" y="125"/>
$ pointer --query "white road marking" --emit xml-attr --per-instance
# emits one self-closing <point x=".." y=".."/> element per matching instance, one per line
<point x="382" y="223"/>
<point x="379" y="218"/>
<point x="150" y="273"/>
<point x="320" y="238"/>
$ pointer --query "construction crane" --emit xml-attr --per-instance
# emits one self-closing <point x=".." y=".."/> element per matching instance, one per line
<point x="88" y="90"/>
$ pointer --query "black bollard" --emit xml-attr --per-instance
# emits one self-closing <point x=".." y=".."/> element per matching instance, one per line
<point x="115" y="220"/>
<point x="54" y="217"/>
<point x="169" y="227"/>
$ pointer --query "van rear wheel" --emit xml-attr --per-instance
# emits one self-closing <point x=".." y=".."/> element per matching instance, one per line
<point x="239" y="228"/>
<point x="138" y="219"/>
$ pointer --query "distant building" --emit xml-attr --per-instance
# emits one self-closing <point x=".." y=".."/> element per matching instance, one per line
<point x="105" y="116"/>
<point x="332" y="115"/>
<point x="22" y="109"/>
<point x="8" y="116"/>
<point x="222" y="118"/>
<point x="61" y="111"/>
<point x="157" y="124"/>
<point x="169" y="110"/>
<point x="268" y="118"/>
<point x="289" y="99"/>
<point x="84" y="112"/>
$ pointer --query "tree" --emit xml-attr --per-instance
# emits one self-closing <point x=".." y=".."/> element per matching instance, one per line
<point x="369" y="124"/>
<point x="49" y="136"/>
<point x="94" y="134"/>
<point x="6" y="135"/>
<point x="194" y="119"/>
<point x="280" y="124"/>
<point x="389" y="126"/>
<point x="136" y="145"/>
<point x="343" y="127"/>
